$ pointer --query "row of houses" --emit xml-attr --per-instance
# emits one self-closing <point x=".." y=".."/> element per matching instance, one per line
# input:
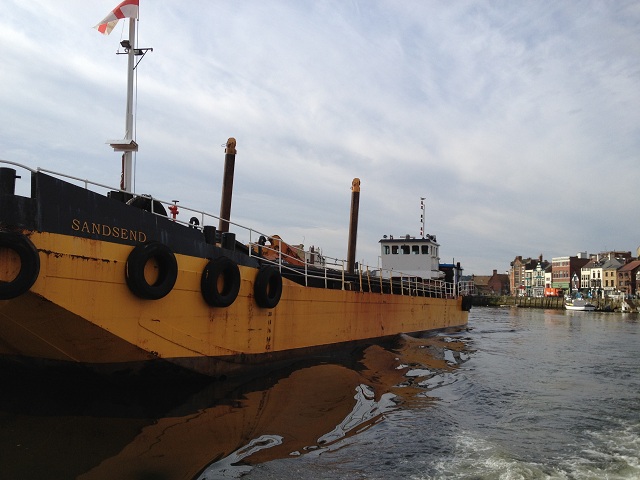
<point x="599" y="275"/>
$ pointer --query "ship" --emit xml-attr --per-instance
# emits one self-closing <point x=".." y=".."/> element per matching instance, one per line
<point x="115" y="280"/>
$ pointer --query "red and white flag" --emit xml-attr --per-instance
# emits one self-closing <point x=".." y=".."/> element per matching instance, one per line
<point x="127" y="9"/>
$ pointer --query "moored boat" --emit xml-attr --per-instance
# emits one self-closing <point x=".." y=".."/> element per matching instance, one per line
<point x="579" y="304"/>
<point x="105" y="277"/>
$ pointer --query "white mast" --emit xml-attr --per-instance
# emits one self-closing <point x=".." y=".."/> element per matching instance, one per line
<point x="126" y="9"/>
<point x="128" y="145"/>
<point x="127" y="167"/>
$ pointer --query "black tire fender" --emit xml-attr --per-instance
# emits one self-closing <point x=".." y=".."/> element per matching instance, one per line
<point x="227" y="269"/>
<point x="167" y="270"/>
<point x="267" y="288"/>
<point x="467" y="303"/>
<point x="29" y="264"/>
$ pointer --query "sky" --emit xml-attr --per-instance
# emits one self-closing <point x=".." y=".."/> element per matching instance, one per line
<point x="517" y="121"/>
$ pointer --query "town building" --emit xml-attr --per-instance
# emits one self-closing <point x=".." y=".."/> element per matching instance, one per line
<point x="585" y="272"/>
<point x="628" y="281"/>
<point x="496" y="284"/>
<point x="566" y="271"/>
<point x="610" y="269"/>
<point x="521" y="275"/>
<point x="535" y="278"/>
<point x="516" y="275"/>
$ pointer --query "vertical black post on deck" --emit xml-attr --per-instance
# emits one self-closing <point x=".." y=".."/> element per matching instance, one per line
<point x="227" y="185"/>
<point x="353" y="225"/>
<point x="8" y="181"/>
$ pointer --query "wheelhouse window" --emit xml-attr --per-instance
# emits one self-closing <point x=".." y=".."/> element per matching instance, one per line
<point x="425" y="249"/>
<point x="415" y="249"/>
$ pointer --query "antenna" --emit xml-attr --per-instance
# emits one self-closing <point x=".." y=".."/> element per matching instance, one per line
<point x="422" y="219"/>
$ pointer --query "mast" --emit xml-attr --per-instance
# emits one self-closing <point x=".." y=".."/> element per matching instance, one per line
<point x="422" y="215"/>
<point x="128" y="144"/>
<point x="127" y="167"/>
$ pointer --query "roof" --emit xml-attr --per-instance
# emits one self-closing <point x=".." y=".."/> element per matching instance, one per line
<point x="481" y="280"/>
<point x="408" y="238"/>
<point x="629" y="267"/>
<point x="612" y="263"/>
<point x="593" y="263"/>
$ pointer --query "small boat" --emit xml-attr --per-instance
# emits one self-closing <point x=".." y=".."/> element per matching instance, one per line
<point x="115" y="280"/>
<point x="579" y="304"/>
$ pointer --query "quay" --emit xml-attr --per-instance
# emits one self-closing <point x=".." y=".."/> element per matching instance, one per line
<point x="602" y="304"/>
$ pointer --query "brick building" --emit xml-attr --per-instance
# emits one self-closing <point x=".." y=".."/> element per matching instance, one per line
<point x="628" y="277"/>
<point x="566" y="272"/>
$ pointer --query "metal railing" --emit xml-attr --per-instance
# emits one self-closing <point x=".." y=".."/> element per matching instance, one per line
<point x="333" y="272"/>
<point x="329" y="272"/>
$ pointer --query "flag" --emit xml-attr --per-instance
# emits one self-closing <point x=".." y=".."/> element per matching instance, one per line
<point x="127" y="9"/>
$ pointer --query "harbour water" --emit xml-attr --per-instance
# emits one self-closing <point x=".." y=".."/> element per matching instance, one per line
<point x="521" y="394"/>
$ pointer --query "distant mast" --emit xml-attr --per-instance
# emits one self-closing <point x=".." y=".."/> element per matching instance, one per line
<point x="422" y="215"/>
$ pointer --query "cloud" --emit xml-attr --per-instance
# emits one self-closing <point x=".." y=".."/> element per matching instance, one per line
<point x="518" y="122"/>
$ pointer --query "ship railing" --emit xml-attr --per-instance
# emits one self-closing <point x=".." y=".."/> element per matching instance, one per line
<point x="323" y="271"/>
<point x="466" y="287"/>
<point x="331" y="272"/>
<point x="198" y="217"/>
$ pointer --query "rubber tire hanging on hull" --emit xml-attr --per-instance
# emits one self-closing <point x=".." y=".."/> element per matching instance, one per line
<point x="267" y="288"/>
<point x="227" y="269"/>
<point x="29" y="265"/>
<point x="467" y="303"/>
<point x="167" y="270"/>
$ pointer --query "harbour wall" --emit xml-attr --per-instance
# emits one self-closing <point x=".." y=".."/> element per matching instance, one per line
<point x="602" y="304"/>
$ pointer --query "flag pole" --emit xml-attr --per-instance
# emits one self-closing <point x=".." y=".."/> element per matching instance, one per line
<point x="128" y="155"/>
<point x="127" y="145"/>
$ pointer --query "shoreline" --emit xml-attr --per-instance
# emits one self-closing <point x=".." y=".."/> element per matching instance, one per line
<point x="602" y="305"/>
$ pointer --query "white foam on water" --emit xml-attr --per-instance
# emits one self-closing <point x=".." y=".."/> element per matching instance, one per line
<point x="365" y="412"/>
<point x="228" y="468"/>
<point x="479" y="458"/>
<point x="611" y="455"/>
<point x="449" y="357"/>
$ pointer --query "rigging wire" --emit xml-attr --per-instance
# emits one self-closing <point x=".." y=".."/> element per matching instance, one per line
<point x="135" y="115"/>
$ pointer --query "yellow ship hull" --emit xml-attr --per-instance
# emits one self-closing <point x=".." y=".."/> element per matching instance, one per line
<point x="80" y="309"/>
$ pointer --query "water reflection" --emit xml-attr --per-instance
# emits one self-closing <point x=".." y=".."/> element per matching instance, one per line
<point x="78" y="426"/>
